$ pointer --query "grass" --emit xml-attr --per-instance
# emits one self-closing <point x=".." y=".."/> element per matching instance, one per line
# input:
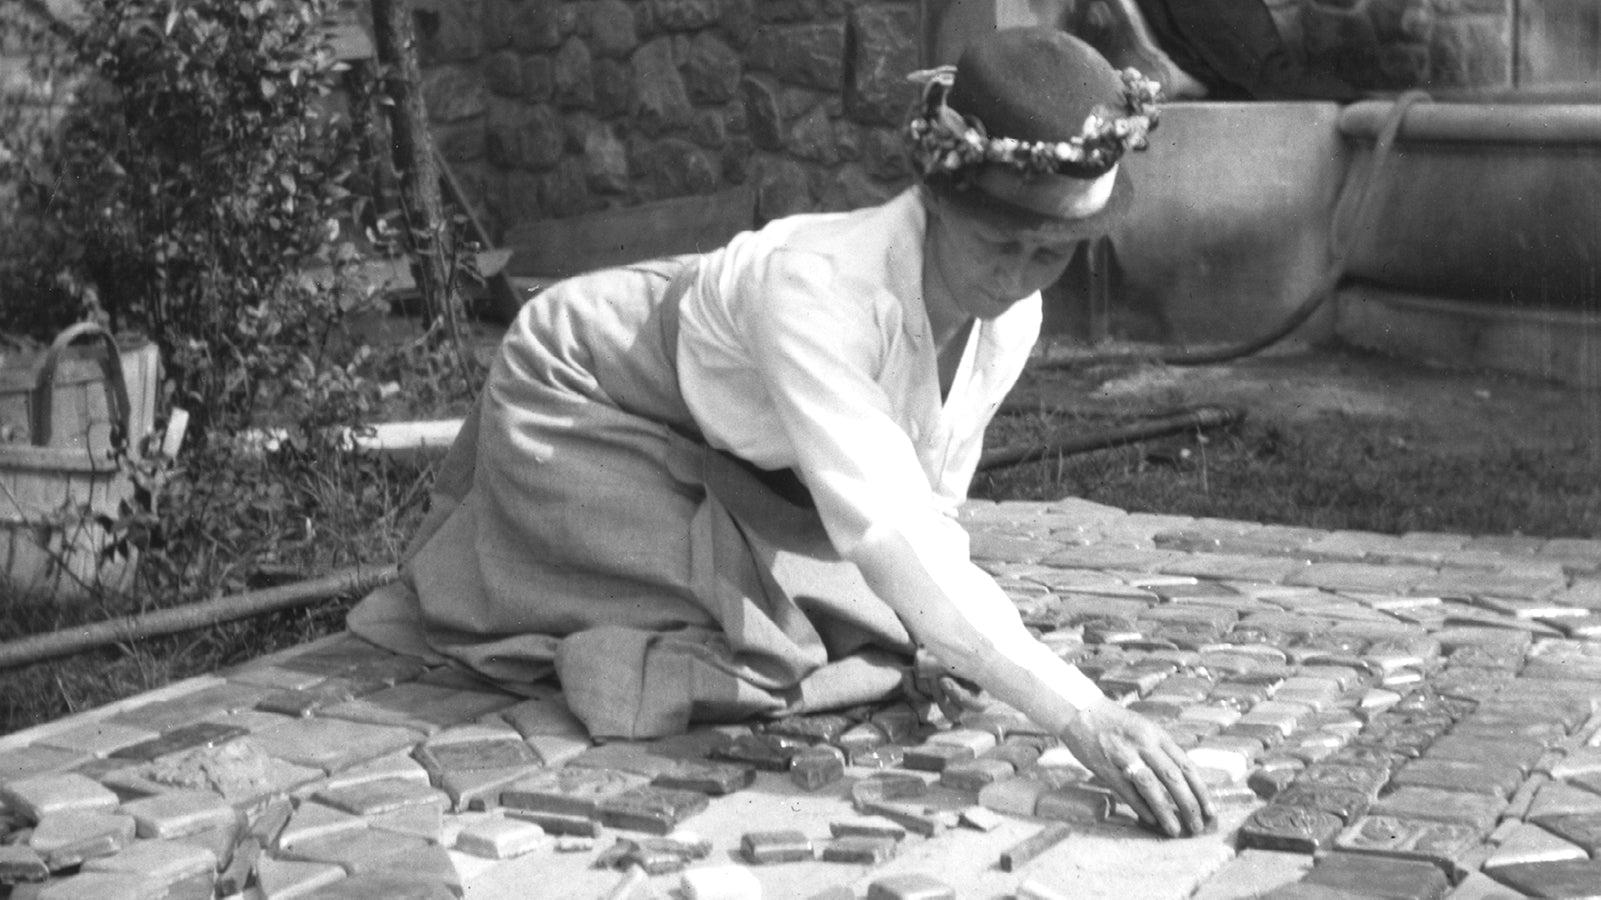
<point x="1335" y="476"/>
<point x="332" y="511"/>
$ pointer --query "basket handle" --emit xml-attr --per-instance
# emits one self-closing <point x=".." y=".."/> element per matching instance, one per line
<point x="112" y="363"/>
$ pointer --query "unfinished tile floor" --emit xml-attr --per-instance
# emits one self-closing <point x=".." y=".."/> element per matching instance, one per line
<point x="1381" y="716"/>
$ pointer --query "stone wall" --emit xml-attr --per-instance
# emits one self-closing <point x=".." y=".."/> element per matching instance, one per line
<point x="1392" y="45"/>
<point x="553" y="108"/>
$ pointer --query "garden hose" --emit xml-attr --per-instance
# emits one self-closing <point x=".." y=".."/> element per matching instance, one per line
<point x="1066" y="442"/>
<point x="38" y="647"/>
<point x="1351" y="208"/>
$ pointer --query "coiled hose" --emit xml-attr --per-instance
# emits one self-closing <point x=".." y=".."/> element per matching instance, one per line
<point x="1350" y="210"/>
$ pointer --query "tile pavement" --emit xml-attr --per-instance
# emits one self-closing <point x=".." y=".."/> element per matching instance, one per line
<point x="1379" y="715"/>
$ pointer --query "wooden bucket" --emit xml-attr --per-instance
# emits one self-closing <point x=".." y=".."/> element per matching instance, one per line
<point x="65" y="412"/>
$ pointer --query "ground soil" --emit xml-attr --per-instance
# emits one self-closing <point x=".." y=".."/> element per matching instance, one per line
<point x="1429" y="408"/>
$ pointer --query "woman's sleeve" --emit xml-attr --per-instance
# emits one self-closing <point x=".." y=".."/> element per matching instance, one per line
<point x="818" y="343"/>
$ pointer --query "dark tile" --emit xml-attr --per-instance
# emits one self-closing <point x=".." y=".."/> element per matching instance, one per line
<point x="763" y="847"/>
<point x="309" y="700"/>
<point x="913" y="886"/>
<point x="716" y="779"/>
<point x="931" y="757"/>
<point x="650" y="809"/>
<point x="1442" y="844"/>
<point x="975" y="774"/>
<point x="867" y="827"/>
<point x="1025" y="851"/>
<point x="861" y="737"/>
<point x="1572" y="878"/>
<point x="769" y="753"/>
<point x="1348" y="805"/>
<point x="860" y="850"/>
<point x="439" y="758"/>
<point x="816" y="768"/>
<point x="1369" y="876"/>
<point x="190" y="737"/>
<point x="888" y="756"/>
<point x="888" y="786"/>
<point x="20" y="864"/>
<point x="1367" y="779"/>
<point x="558" y="823"/>
<point x="569" y="791"/>
<point x="815" y="729"/>
<point x="385" y="795"/>
<point x="1296" y="829"/>
<point x="911" y="818"/>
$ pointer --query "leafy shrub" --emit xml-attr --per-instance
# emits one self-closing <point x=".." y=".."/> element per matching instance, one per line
<point x="201" y="167"/>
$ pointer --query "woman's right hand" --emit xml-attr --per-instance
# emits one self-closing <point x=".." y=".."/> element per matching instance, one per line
<point x="1142" y="764"/>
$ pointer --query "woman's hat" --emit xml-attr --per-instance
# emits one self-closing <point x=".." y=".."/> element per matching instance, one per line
<point x="1031" y="119"/>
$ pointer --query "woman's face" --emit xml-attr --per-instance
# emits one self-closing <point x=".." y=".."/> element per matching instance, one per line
<point x="988" y="268"/>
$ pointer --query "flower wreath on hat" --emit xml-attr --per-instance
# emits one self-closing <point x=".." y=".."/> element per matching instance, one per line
<point x="944" y="142"/>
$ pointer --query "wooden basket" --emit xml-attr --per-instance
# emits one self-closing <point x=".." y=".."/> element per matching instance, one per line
<point x="59" y="473"/>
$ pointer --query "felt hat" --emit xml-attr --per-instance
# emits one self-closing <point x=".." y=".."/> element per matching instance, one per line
<point x="1029" y="122"/>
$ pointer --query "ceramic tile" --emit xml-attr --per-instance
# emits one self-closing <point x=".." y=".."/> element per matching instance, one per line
<point x="179" y="813"/>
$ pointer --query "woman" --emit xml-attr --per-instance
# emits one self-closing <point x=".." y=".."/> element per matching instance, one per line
<point x="725" y="485"/>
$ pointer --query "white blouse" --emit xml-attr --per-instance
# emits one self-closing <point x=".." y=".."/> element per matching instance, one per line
<point x="806" y="344"/>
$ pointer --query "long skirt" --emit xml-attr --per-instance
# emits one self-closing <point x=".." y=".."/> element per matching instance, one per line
<point x="581" y="525"/>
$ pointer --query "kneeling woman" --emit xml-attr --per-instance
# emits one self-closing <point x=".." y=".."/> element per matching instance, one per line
<point x="725" y="485"/>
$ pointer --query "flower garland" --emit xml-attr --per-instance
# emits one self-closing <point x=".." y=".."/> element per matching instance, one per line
<point x="944" y="141"/>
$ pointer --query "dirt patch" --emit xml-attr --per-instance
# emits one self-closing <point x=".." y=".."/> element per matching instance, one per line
<point x="1430" y="409"/>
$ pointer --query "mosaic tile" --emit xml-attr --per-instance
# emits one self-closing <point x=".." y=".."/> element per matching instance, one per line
<point x="1295" y="829"/>
<point x="911" y="818"/>
<point x="371" y="798"/>
<point x="42" y="795"/>
<point x="1017" y="856"/>
<point x="311" y="821"/>
<point x="1015" y="796"/>
<point x="859" y="850"/>
<point x="477" y="789"/>
<point x="768" y="753"/>
<point x="650" y="809"/>
<point x="179" y="813"/>
<point x="887" y="786"/>
<point x="1520" y="755"/>
<point x="165" y="861"/>
<point x="1532" y="844"/>
<point x="198" y="736"/>
<point x="1439" y="843"/>
<point x="1557" y="798"/>
<point x="37" y="760"/>
<point x="98" y="738"/>
<point x="363" y="850"/>
<point x="423" y="707"/>
<point x="103" y="886"/>
<point x="569" y="791"/>
<point x="815" y="768"/>
<point x="68" y="838"/>
<point x="1348" y="805"/>
<point x="1569" y="878"/>
<point x="1457" y="775"/>
<point x="1583" y="829"/>
<point x="499" y="838"/>
<point x="764" y="847"/>
<point x="1074" y="803"/>
<point x="282" y="878"/>
<point x="333" y="744"/>
<point x="1479" y="811"/>
<point x="1369" y="876"/>
<point x="192" y="708"/>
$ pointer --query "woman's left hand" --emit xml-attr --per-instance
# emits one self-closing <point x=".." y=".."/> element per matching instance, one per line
<point x="1143" y="766"/>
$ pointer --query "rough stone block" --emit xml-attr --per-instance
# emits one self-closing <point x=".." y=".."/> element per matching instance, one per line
<point x="720" y="883"/>
<point x="911" y="886"/>
<point x="763" y="847"/>
<point x="859" y="849"/>
<point x="501" y="838"/>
